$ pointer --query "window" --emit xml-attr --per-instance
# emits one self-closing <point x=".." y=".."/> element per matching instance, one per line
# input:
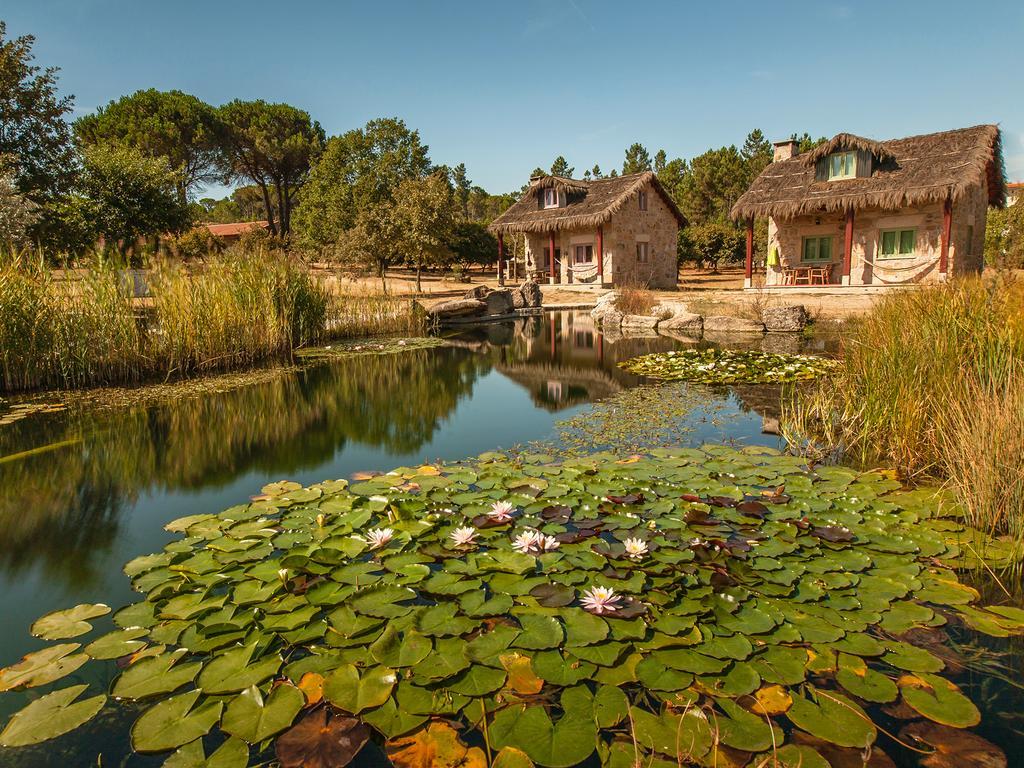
<point x="898" y="243"/>
<point x="817" y="249"/>
<point x="642" y="199"/>
<point x="642" y="252"/>
<point x="583" y="339"/>
<point x="842" y="165"/>
<point x="551" y="198"/>
<point x="582" y="254"/>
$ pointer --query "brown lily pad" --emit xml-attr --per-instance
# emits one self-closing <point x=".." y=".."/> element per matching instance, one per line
<point x="954" y="747"/>
<point x="321" y="740"/>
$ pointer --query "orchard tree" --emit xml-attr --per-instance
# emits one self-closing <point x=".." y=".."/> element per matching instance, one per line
<point x="169" y="124"/>
<point x="273" y="146"/>
<point x="373" y="241"/>
<point x="711" y="243"/>
<point x="358" y="170"/>
<point x="638" y="160"/>
<point x="471" y="243"/>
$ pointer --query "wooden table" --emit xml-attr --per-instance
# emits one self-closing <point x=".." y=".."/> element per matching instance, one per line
<point x="806" y="275"/>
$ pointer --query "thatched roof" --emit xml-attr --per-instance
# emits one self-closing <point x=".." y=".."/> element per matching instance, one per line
<point x="588" y="204"/>
<point x="911" y="171"/>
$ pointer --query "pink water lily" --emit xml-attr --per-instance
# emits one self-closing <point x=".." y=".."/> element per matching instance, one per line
<point x="528" y="542"/>
<point x="463" y="537"/>
<point x="635" y="548"/>
<point x="600" y="600"/>
<point x="378" y="537"/>
<point x="548" y="543"/>
<point x="501" y="511"/>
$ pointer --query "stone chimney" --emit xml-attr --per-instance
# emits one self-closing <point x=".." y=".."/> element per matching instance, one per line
<point x="785" y="150"/>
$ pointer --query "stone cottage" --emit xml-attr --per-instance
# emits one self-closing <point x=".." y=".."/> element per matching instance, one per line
<point x="607" y="232"/>
<point x="857" y="212"/>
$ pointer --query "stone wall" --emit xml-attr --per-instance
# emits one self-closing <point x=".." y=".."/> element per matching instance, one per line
<point x="865" y="266"/>
<point x="656" y="226"/>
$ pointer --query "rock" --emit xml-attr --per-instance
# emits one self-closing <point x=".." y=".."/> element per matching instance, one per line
<point x="519" y="299"/>
<point x="531" y="294"/>
<point x="789" y="318"/>
<point x="607" y="317"/>
<point x="687" y="323"/>
<point x="457" y="308"/>
<point x="639" y="322"/>
<point x="667" y="309"/>
<point x="732" y="324"/>
<point x="499" y="302"/>
<point x="477" y="292"/>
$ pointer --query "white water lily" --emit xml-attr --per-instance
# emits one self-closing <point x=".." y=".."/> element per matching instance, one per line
<point x="463" y="537"/>
<point x="528" y="542"/>
<point x="282" y="574"/>
<point x="635" y="548"/>
<point x="600" y="600"/>
<point x="501" y="511"/>
<point x="548" y="543"/>
<point x="320" y="520"/>
<point x="378" y="537"/>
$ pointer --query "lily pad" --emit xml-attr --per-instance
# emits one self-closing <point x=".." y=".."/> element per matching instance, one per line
<point x="50" y="716"/>
<point x="71" y="622"/>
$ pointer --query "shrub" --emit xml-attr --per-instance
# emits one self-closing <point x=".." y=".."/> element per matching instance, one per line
<point x="634" y="300"/>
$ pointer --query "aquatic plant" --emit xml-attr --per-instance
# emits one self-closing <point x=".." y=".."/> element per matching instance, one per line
<point x="724" y="366"/>
<point x="774" y="607"/>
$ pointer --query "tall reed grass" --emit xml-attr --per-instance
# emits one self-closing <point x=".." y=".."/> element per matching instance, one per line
<point x="932" y="384"/>
<point x="67" y="328"/>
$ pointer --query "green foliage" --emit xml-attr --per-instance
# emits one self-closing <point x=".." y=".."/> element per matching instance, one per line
<point x="243" y="204"/>
<point x="711" y="243"/>
<point x="561" y="167"/>
<point x="638" y="159"/>
<point x="172" y="125"/>
<point x="17" y="212"/>
<point x="425" y="217"/>
<point x="196" y="243"/>
<point x="123" y="195"/>
<point x="1004" y="237"/>
<point x="273" y="146"/>
<point x="720" y="366"/>
<point x="471" y="243"/>
<point x="34" y="131"/>
<point x="359" y="171"/>
<point x="751" y="573"/>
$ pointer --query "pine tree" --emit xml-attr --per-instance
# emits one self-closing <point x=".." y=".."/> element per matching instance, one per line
<point x="638" y="160"/>
<point x="596" y="171"/>
<point x="561" y="167"/>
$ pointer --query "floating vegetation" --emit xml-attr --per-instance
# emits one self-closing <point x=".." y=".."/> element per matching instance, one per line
<point x="714" y="606"/>
<point x="638" y="419"/>
<point x="371" y="347"/>
<point x="725" y="366"/>
<point x="19" y="411"/>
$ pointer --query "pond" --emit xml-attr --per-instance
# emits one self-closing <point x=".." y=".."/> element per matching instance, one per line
<point x="88" y="486"/>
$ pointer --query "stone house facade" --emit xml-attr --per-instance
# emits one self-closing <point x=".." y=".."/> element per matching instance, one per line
<point x="617" y="231"/>
<point x="862" y="213"/>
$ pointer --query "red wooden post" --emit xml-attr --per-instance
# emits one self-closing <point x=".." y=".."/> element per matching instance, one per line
<point x="501" y="259"/>
<point x="848" y="246"/>
<point x="947" y="225"/>
<point x="748" y="273"/>
<point x="600" y="255"/>
<point x="551" y="258"/>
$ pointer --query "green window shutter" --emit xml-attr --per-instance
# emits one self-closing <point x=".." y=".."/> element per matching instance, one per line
<point x="825" y="249"/>
<point x="907" y="241"/>
<point x="888" y="243"/>
<point x="810" y="249"/>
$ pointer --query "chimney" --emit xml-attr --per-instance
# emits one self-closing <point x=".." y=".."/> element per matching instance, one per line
<point x="785" y="150"/>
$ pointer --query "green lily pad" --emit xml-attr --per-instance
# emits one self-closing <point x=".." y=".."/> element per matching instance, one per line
<point x="939" y="699"/>
<point x="252" y="718"/>
<point x="71" y="622"/>
<point x="353" y="692"/>
<point x="175" y="721"/>
<point x="834" y="718"/>
<point x="50" y="716"/>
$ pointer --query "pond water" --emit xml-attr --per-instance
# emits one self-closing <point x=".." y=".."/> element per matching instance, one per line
<point x="85" y="489"/>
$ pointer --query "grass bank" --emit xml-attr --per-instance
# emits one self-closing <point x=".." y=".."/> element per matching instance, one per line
<point x="932" y="383"/>
<point x="68" y="328"/>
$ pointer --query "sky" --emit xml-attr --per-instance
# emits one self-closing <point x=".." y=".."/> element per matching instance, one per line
<point x="506" y="87"/>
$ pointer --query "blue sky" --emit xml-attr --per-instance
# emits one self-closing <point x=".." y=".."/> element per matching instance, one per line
<point x="506" y="87"/>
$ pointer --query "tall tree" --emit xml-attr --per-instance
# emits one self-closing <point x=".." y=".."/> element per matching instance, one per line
<point x="561" y="167"/>
<point x="17" y="212"/>
<point x="660" y="161"/>
<point x="638" y="160"/>
<point x="34" y="134"/>
<point x="463" y="187"/>
<point x="423" y="216"/>
<point x="273" y="146"/>
<point x="757" y="153"/>
<point x="714" y="182"/>
<point x="169" y="124"/>
<point x="358" y="170"/>
<point x="596" y="172"/>
<point x="806" y="142"/>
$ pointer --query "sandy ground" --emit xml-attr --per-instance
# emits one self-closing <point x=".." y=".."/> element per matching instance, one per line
<point x="707" y="293"/>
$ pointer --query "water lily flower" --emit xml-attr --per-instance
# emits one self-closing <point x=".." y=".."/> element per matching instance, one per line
<point x="463" y="537"/>
<point x="548" y="543"/>
<point x="635" y="548"/>
<point x="378" y="537"/>
<point x="320" y="520"/>
<point x="528" y="542"/>
<point x="501" y="511"/>
<point x="600" y="600"/>
<point x="282" y="574"/>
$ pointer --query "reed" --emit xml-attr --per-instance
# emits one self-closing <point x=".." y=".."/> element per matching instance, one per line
<point x="932" y="384"/>
<point x="67" y="328"/>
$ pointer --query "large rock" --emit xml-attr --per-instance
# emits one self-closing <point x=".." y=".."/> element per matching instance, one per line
<point x="519" y="299"/>
<point x="476" y="292"/>
<point x="732" y="324"/>
<point x="790" y="318"/>
<point x="457" y="308"/>
<point x="641" y="322"/>
<point x="687" y="323"/>
<point x="531" y="294"/>
<point x="667" y="309"/>
<point x="604" y="311"/>
<point x="499" y="302"/>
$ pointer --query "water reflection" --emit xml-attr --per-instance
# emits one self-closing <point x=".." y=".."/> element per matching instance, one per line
<point x="84" y="490"/>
